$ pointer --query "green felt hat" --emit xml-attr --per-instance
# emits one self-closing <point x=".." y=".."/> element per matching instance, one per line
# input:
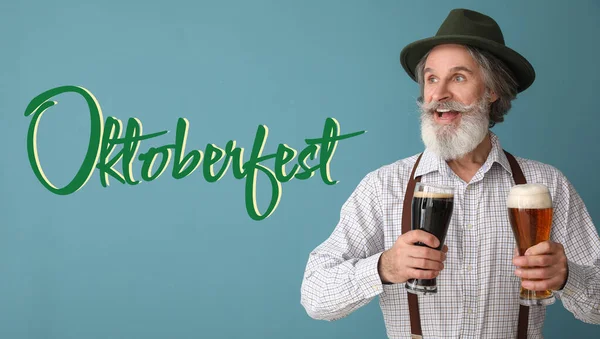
<point x="466" y="27"/>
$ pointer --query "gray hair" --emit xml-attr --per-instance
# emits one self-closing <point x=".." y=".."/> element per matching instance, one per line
<point x="496" y="76"/>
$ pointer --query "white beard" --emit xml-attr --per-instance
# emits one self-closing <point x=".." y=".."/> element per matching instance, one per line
<point x="454" y="140"/>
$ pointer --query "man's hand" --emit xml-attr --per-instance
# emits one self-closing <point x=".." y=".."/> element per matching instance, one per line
<point x="543" y="267"/>
<point x="405" y="260"/>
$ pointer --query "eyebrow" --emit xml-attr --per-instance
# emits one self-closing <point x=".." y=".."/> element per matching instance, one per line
<point x="453" y="69"/>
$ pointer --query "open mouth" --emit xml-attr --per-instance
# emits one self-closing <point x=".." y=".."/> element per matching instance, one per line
<point x="446" y="114"/>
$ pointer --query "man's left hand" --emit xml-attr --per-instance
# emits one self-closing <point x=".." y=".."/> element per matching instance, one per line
<point x="543" y="267"/>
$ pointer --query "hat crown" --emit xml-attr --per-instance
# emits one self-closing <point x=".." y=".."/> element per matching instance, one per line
<point x="470" y="28"/>
<point x="466" y="22"/>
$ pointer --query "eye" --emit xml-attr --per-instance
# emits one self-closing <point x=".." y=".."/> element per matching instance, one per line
<point x="432" y="80"/>
<point x="460" y="78"/>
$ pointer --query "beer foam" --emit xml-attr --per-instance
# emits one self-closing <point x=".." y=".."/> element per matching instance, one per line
<point x="433" y="195"/>
<point x="534" y="196"/>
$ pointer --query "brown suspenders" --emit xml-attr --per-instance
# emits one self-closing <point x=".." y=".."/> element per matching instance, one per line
<point x="523" y="310"/>
<point x="413" y="303"/>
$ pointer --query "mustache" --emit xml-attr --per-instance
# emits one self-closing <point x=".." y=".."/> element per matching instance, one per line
<point x="456" y="106"/>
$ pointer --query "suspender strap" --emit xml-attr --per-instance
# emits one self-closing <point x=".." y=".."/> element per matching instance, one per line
<point x="523" y="310"/>
<point x="516" y="169"/>
<point x="413" y="302"/>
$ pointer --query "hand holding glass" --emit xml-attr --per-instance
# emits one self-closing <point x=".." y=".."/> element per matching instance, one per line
<point x="530" y="214"/>
<point x="432" y="208"/>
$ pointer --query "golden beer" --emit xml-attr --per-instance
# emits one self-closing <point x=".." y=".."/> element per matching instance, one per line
<point x="530" y="215"/>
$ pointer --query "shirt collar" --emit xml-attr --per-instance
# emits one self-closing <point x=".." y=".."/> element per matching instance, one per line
<point x="431" y="162"/>
<point x="497" y="154"/>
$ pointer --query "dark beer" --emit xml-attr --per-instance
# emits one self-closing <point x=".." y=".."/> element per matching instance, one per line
<point x="530" y="215"/>
<point x="431" y="212"/>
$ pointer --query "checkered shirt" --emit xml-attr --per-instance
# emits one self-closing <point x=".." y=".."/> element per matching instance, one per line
<point x="478" y="292"/>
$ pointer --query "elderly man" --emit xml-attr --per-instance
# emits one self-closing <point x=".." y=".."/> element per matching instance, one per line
<point x="468" y="78"/>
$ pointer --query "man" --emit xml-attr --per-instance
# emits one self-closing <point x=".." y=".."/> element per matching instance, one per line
<point x="468" y="78"/>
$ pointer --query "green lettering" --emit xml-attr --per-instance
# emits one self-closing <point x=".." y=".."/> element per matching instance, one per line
<point x="284" y="155"/>
<point x="113" y="128"/>
<point x="37" y="106"/>
<point x="182" y="167"/>
<point x="237" y="155"/>
<point x="131" y="144"/>
<point x="150" y="157"/>
<point x="213" y="155"/>
<point x="130" y="141"/>
<point x="331" y="136"/>
<point x="310" y="151"/>
<point x="252" y="167"/>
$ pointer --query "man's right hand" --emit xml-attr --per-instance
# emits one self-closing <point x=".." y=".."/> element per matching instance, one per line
<point x="405" y="260"/>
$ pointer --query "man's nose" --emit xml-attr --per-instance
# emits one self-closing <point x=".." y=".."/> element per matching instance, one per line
<point x="441" y="92"/>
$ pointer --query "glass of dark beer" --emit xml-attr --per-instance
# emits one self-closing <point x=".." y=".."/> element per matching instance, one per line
<point x="432" y="207"/>
<point x="530" y="214"/>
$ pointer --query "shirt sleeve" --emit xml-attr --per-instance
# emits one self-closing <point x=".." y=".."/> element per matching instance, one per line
<point x="341" y="274"/>
<point x="578" y="235"/>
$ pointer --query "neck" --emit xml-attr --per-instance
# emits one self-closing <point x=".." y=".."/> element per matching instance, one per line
<point x="466" y="166"/>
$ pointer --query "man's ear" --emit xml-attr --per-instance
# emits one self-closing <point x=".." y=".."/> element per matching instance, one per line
<point x="493" y="96"/>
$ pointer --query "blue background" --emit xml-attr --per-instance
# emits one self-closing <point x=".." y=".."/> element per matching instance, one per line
<point x="181" y="258"/>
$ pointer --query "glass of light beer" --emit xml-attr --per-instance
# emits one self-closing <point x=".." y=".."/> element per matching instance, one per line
<point x="432" y="207"/>
<point x="530" y="214"/>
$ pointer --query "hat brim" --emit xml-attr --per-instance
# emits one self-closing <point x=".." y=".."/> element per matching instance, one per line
<point x="521" y="68"/>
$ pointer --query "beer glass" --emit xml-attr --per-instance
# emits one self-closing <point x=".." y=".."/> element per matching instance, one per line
<point x="530" y="214"/>
<point x="432" y="207"/>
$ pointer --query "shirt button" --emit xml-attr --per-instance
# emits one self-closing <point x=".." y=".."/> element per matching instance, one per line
<point x="470" y="311"/>
<point x="469" y="268"/>
<point x="469" y="226"/>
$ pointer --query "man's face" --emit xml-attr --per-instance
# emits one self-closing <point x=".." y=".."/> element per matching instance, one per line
<point x="451" y="74"/>
<point x="455" y="108"/>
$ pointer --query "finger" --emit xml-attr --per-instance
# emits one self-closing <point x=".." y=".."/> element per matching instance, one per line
<point x="541" y="285"/>
<point x="425" y="264"/>
<point x="445" y="249"/>
<point x="545" y="247"/>
<point x="537" y="273"/>
<point x="536" y="260"/>
<point x="426" y="253"/>
<point x="415" y="236"/>
<point x="422" y="274"/>
<point x="516" y="252"/>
